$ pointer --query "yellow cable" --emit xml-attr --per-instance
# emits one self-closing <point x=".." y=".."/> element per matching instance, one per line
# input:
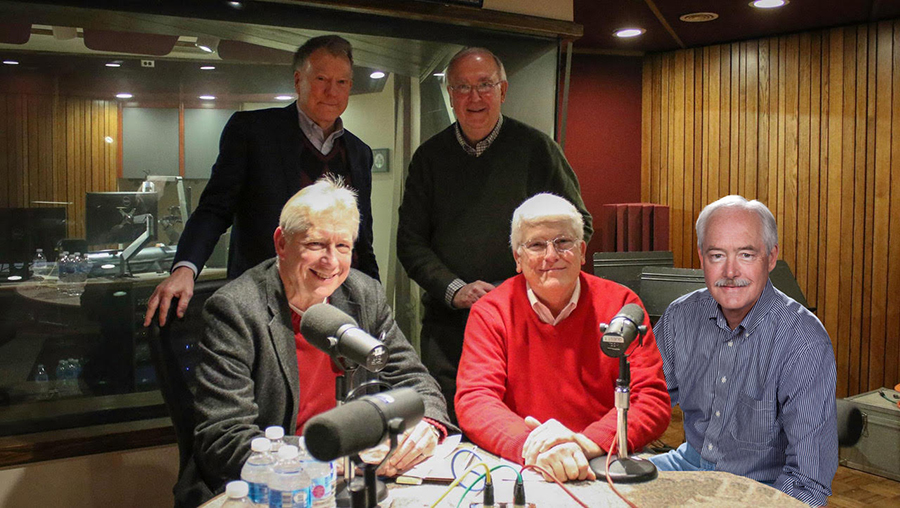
<point x="487" y="473"/>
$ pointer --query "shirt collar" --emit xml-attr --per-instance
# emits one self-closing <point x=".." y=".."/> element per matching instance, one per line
<point x="299" y="312"/>
<point x="753" y="318"/>
<point x="481" y="146"/>
<point x="316" y="135"/>
<point x="544" y="313"/>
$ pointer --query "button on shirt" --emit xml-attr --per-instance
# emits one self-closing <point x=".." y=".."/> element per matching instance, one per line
<point x="316" y="135"/>
<point x="759" y="400"/>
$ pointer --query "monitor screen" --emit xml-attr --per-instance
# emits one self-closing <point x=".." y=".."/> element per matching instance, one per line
<point x="24" y="230"/>
<point x="112" y="218"/>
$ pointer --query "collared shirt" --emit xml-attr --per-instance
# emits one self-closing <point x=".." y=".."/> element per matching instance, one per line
<point x="316" y="135"/>
<point x="482" y="145"/>
<point x="759" y="400"/>
<point x="544" y="313"/>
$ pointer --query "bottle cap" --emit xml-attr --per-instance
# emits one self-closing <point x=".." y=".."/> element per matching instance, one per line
<point x="260" y="444"/>
<point x="287" y="452"/>
<point x="274" y="432"/>
<point x="237" y="489"/>
<point x="40" y="250"/>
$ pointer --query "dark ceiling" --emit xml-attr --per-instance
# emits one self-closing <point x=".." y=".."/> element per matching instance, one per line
<point x="737" y="21"/>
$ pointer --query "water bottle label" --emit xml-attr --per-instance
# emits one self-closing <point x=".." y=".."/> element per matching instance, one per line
<point x="289" y="499"/>
<point x="259" y="492"/>
<point x="321" y="488"/>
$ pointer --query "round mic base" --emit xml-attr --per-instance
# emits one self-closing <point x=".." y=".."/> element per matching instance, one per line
<point x="624" y="470"/>
<point x="342" y="494"/>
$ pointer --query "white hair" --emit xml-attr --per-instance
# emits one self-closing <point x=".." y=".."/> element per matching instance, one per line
<point x="766" y="219"/>
<point x="542" y="209"/>
<point x="501" y="70"/>
<point x="328" y="198"/>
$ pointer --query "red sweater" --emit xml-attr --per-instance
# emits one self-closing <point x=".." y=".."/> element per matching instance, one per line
<point x="513" y="365"/>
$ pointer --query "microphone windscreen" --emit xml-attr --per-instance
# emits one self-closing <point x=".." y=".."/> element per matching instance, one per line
<point x="344" y="430"/>
<point x="633" y="312"/>
<point x="849" y="422"/>
<point x="322" y="321"/>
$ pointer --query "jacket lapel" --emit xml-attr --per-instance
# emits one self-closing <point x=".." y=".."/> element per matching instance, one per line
<point x="290" y="137"/>
<point x="281" y="333"/>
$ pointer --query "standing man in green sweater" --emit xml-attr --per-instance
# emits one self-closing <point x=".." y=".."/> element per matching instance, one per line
<point x="463" y="186"/>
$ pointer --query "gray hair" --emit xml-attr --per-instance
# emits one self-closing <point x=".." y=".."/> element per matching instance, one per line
<point x="501" y="70"/>
<point x="766" y="219"/>
<point x="542" y="209"/>
<point x="329" y="198"/>
<point x="334" y="44"/>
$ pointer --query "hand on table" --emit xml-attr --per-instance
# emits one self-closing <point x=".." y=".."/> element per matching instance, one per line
<point x="557" y="449"/>
<point x="413" y="446"/>
<point x="470" y="293"/>
<point x="181" y="285"/>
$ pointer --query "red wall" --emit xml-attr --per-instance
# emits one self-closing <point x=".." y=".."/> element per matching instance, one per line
<point x="603" y="132"/>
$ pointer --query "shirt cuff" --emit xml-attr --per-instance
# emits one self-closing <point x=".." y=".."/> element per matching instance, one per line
<point x="188" y="264"/>
<point x="452" y="289"/>
<point x="442" y="431"/>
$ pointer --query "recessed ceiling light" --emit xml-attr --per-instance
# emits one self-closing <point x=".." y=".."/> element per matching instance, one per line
<point x="283" y="97"/>
<point x="625" y="33"/>
<point x="236" y="5"/>
<point x="207" y="67"/>
<point x="376" y="75"/>
<point x="768" y="4"/>
<point x="207" y="97"/>
<point x="108" y="266"/>
<point x="11" y="62"/>
<point x="208" y="43"/>
<point x="113" y="64"/>
<point x="698" y="17"/>
<point x="14" y="278"/>
<point x="124" y="96"/>
<point x="438" y="74"/>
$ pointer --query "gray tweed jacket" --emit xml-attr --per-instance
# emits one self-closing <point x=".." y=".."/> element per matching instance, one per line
<point x="247" y="377"/>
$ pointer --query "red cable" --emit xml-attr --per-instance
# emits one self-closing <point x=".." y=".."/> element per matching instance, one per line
<point x="612" y="446"/>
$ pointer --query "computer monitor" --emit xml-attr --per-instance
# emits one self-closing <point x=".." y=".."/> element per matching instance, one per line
<point x="23" y="231"/>
<point x="113" y="218"/>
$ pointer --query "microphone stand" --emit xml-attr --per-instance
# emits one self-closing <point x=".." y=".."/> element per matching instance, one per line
<point x="624" y="468"/>
<point x="368" y="493"/>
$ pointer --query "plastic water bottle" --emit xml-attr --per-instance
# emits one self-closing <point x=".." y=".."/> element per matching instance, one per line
<point x="62" y="374"/>
<point x="256" y="471"/>
<point x="321" y="476"/>
<point x="62" y="276"/>
<point x="288" y="483"/>
<point x="39" y="266"/>
<point x="236" y="495"/>
<point x="73" y="373"/>
<point x="43" y="382"/>
<point x="275" y="435"/>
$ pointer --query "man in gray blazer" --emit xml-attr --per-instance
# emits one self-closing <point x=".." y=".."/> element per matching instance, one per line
<point x="256" y="369"/>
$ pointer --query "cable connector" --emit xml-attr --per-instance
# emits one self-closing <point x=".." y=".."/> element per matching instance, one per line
<point x="519" y="493"/>
<point x="488" y="499"/>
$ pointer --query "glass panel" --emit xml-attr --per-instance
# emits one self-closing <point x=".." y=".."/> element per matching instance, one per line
<point x="109" y="126"/>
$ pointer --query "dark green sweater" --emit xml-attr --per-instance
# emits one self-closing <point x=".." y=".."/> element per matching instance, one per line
<point x="457" y="209"/>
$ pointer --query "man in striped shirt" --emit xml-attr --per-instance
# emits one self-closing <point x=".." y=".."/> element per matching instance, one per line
<point x="752" y="369"/>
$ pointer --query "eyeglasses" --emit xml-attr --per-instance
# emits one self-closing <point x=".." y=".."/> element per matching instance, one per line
<point x="483" y="88"/>
<point x="562" y="244"/>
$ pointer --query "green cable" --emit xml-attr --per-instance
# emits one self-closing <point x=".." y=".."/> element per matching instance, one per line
<point x="469" y="488"/>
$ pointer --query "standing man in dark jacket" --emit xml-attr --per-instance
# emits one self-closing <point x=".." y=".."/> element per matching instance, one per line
<point x="463" y="186"/>
<point x="265" y="157"/>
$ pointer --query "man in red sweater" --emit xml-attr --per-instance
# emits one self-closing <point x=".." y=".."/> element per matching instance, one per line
<point x="533" y="385"/>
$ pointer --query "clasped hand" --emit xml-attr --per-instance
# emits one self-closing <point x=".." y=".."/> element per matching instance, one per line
<point x="558" y="450"/>
<point x="413" y="446"/>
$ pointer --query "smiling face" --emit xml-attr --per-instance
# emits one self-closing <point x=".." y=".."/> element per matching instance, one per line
<point x="551" y="275"/>
<point x="323" y="87"/>
<point x="735" y="263"/>
<point x="313" y="264"/>
<point x="477" y="113"/>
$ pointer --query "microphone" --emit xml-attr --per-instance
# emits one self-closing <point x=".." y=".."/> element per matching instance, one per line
<point x="331" y="330"/>
<point x="622" y="330"/>
<point x="362" y="424"/>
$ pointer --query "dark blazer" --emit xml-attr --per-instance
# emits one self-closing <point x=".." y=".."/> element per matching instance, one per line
<point x="247" y="376"/>
<point x="257" y="171"/>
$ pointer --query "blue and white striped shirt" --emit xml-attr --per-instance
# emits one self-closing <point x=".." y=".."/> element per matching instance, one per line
<point x="759" y="400"/>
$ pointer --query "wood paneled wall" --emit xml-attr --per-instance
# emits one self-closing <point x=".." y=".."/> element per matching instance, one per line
<point x="810" y="125"/>
<point x="53" y="148"/>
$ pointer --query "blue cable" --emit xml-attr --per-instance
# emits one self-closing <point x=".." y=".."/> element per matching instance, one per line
<point x="453" y="468"/>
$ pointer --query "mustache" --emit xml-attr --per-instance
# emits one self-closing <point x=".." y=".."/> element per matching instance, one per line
<point x="732" y="282"/>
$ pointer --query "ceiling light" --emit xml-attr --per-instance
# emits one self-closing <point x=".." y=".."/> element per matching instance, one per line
<point x="376" y="75"/>
<point x="124" y="96"/>
<point x="283" y="97"/>
<point x="208" y="43"/>
<point x="438" y="74"/>
<point x="628" y="32"/>
<point x="11" y="62"/>
<point x="207" y="67"/>
<point x="236" y="5"/>
<point x="698" y="17"/>
<point x="768" y="4"/>
<point x="207" y="97"/>
<point x="113" y="64"/>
